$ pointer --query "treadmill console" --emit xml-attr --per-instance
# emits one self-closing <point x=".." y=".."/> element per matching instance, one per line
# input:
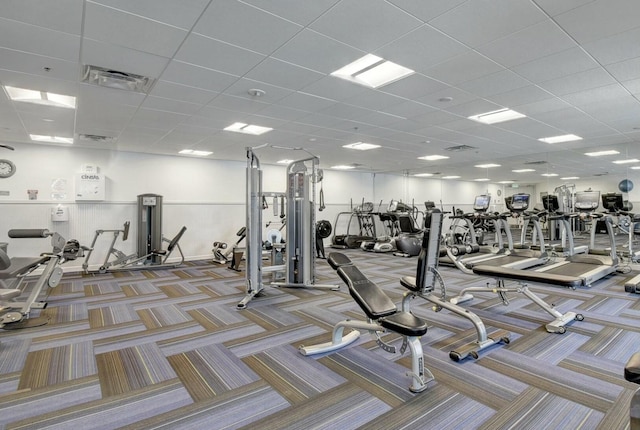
<point x="518" y="202"/>
<point x="587" y="201"/>
<point x="550" y="203"/>
<point x="612" y="202"/>
<point x="481" y="203"/>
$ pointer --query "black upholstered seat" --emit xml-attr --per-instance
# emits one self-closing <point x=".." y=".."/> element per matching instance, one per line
<point x="632" y="369"/>
<point x="405" y="324"/>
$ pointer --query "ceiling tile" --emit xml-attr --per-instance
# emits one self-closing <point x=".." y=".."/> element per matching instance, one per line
<point x="465" y="67"/>
<point x="421" y="48"/>
<point x="291" y="10"/>
<point x="272" y="93"/>
<point x="614" y="49"/>
<point x="555" y="7"/>
<point x="169" y="105"/>
<point x="557" y="65"/>
<point x="317" y="52"/>
<point x="625" y="70"/>
<point x="171" y="90"/>
<point x="38" y="40"/>
<point x="237" y="104"/>
<point x="374" y="100"/>
<point x="245" y="26"/>
<point x="119" y="28"/>
<point x="213" y="54"/>
<point x="426" y="10"/>
<point x="413" y="86"/>
<point x="378" y="23"/>
<point x="495" y="83"/>
<point x="467" y="22"/>
<point x="598" y="19"/>
<point x="182" y="14"/>
<point x="306" y="102"/>
<point x="199" y="77"/>
<point x="33" y="64"/>
<point x="576" y="82"/>
<point x="285" y="75"/>
<point x="523" y="95"/>
<point x="527" y="45"/>
<point x="61" y="15"/>
<point x="334" y="88"/>
<point x="607" y="93"/>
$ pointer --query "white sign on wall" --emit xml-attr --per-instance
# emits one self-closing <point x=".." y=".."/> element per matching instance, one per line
<point x="90" y="186"/>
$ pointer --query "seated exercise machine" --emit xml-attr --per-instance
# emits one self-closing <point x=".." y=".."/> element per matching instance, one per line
<point x="382" y="317"/>
<point x="221" y="251"/>
<point x="14" y="272"/>
<point x="360" y="226"/>
<point x="409" y="234"/>
<point x="632" y="374"/>
<point x="423" y="285"/>
<point x="299" y="260"/>
<point x="123" y="261"/>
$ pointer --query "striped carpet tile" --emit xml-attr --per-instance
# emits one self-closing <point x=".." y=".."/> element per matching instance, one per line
<point x="55" y="365"/>
<point x="211" y="370"/>
<point x="111" y="315"/>
<point x="132" y="368"/>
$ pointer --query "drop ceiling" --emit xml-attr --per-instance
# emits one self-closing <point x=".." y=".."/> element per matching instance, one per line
<point x="572" y="67"/>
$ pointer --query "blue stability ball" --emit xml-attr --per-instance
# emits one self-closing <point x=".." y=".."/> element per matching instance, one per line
<point x="625" y="185"/>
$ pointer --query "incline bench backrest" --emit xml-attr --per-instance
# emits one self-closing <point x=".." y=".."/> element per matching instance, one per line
<point x="176" y="239"/>
<point x="430" y="252"/>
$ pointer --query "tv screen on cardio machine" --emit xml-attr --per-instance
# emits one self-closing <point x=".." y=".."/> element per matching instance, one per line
<point x="518" y="202"/>
<point x="481" y="204"/>
<point x="587" y="200"/>
<point x="612" y="201"/>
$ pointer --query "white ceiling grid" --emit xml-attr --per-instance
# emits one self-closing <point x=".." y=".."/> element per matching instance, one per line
<point x="570" y="66"/>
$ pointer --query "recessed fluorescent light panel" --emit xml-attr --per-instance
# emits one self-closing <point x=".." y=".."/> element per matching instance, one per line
<point x="342" y="167"/>
<point x="523" y="170"/>
<point x="361" y="146"/>
<point x="285" y="161"/>
<point x="433" y="157"/>
<point x="497" y="116"/>
<point x="506" y="182"/>
<point x="241" y="127"/>
<point x="568" y="178"/>
<point x="627" y="161"/>
<point x="601" y="153"/>
<point x="549" y="174"/>
<point x="40" y="97"/>
<point x="482" y="179"/>
<point x="423" y="175"/>
<point x="50" y="139"/>
<point x="560" y="139"/>
<point x="195" y="152"/>
<point x="635" y="168"/>
<point x="451" y="177"/>
<point x="372" y="71"/>
<point x="487" y="166"/>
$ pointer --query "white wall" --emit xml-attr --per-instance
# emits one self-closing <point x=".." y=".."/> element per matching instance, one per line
<point x="207" y="196"/>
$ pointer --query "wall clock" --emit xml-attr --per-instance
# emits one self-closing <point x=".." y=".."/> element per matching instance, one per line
<point x="7" y="168"/>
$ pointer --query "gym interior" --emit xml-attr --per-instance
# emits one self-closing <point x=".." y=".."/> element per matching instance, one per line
<point x="235" y="214"/>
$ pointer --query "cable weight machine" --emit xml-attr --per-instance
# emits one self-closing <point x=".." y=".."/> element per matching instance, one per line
<point x="299" y="260"/>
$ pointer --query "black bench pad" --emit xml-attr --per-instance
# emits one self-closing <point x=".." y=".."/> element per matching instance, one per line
<point x="21" y="265"/>
<point x="373" y="301"/>
<point x="409" y="282"/>
<point x="338" y="259"/>
<point x="632" y="369"/>
<point x="529" y="275"/>
<point x="405" y="324"/>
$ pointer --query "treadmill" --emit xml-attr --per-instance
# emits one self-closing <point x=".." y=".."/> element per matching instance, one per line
<point x="578" y="270"/>
<point x="521" y="258"/>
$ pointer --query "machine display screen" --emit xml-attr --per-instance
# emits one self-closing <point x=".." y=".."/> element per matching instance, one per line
<point x="519" y="202"/>
<point x="587" y="200"/>
<point x="482" y="203"/>
<point x="612" y="201"/>
<point x="550" y="202"/>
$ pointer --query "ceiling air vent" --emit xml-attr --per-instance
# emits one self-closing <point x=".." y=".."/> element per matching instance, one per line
<point x="535" y="163"/>
<point x="114" y="79"/>
<point x="601" y="174"/>
<point x="459" y="148"/>
<point x="96" y="138"/>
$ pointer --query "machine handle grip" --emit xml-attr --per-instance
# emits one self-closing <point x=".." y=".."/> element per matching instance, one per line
<point x="20" y="233"/>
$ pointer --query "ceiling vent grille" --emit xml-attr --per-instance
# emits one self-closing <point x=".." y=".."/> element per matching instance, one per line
<point x="459" y="148"/>
<point x="601" y="174"/>
<point x="535" y="163"/>
<point x="114" y="79"/>
<point x="96" y="138"/>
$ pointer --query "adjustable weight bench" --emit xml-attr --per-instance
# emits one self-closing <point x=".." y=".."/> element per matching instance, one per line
<point x="632" y="374"/>
<point x="383" y="316"/>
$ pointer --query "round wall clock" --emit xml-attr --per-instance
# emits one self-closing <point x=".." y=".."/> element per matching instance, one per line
<point x="7" y="168"/>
